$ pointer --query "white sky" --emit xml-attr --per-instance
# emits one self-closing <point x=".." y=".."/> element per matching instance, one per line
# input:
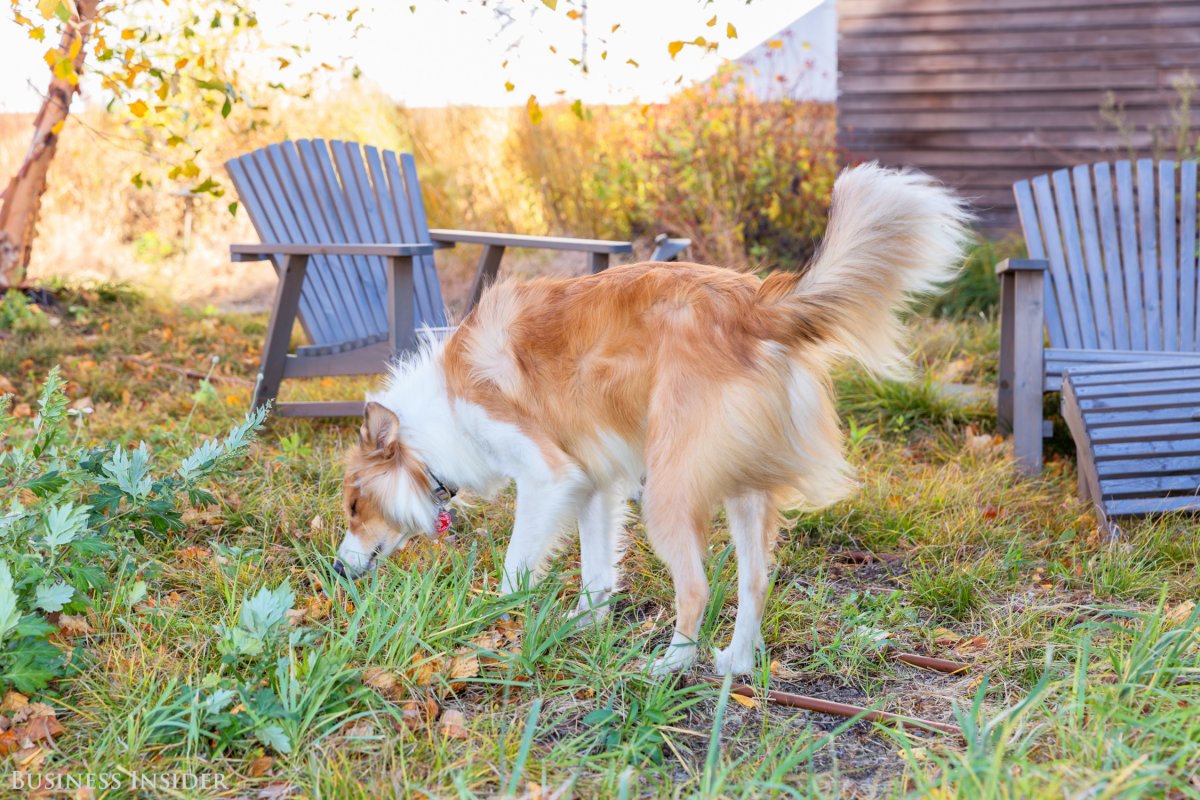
<point x="449" y="52"/>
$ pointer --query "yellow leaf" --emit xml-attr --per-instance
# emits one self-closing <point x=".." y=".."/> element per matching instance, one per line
<point x="65" y="70"/>
<point x="712" y="21"/>
<point x="138" y="108"/>
<point x="58" y="126"/>
<point x="51" y="57"/>
<point x="674" y="47"/>
<point x="731" y="31"/>
<point x="37" y="34"/>
<point x="748" y="702"/>
<point x="21" y="19"/>
<point x="129" y="33"/>
<point x="775" y="44"/>
<point x="508" y="86"/>
<point x="161" y="91"/>
<point x="534" y="110"/>
<point x="614" y="27"/>
<point x="550" y="4"/>
<point x="604" y="56"/>
<point x="46" y="8"/>
<point x="573" y="14"/>
<point x="181" y="63"/>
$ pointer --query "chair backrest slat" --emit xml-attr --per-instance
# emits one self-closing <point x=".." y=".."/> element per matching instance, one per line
<point x="332" y="196"/>
<point x="423" y="273"/>
<point x="1113" y="278"/>
<point x="312" y="191"/>
<point x="1148" y="235"/>
<point x="1189" y="282"/>
<point x="1027" y="210"/>
<point x="416" y="207"/>
<point x="1130" y="266"/>
<point x="1167" y="238"/>
<point x="1086" y="310"/>
<point x="334" y="277"/>
<point x="1060" y="281"/>
<point x="1120" y="242"/>
<point x="271" y="220"/>
<point x="363" y="223"/>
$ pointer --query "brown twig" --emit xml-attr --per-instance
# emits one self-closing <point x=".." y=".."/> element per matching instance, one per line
<point x="936" y="664"/>
<point x="843" y="709"/>
<point x="189" y="373"/>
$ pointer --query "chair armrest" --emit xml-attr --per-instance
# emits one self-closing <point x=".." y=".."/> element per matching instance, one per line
<point x="1022" y="265"/>
<point x="262" y="252"/>
<point x="537" y="242"/>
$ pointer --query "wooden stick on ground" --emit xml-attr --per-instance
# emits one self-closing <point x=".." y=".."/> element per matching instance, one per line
<point x="844" y="709"/>
<point x="188" y="373"/>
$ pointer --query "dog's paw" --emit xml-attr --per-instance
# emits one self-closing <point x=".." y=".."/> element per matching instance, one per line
<point x="591" y="610"/>
<point x="677" y="659"/>
<point x="585" y="617"/>
<point x="732" y="661"/>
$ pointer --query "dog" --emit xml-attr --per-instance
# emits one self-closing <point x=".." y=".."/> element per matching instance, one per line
<point x="698" y="386"/>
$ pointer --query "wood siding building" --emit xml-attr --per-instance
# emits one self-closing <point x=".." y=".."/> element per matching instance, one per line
<point x="983" y="93"/>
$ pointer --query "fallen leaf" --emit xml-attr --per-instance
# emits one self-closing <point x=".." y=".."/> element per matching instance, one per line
<point x="361" y="729"/>
<point x="275" y="791"/>
<point x="782" y="672"/>
<point x="453" y="724"/>
<point x="6" y="386"/>
<point x="1176" y="615"/>
<point x="464" y="665"/>
<point x="748" y="702"/>
<point x="13" y="701"/>
<point x="260" y="766"/>
<point x="9" y="743"/>
<point x="946" y="637"/>
<point x="381" y="681"/>
<point x="29" y="759"/>
<point x="416" y="714"/>
<point x="73" y="625"/>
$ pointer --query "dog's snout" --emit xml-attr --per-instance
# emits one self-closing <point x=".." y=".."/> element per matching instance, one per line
<point x="339" y="568"/>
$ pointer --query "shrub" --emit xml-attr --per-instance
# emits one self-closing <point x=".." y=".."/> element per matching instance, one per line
<point x="73" y="514"/>
<point x="747" y="181"/>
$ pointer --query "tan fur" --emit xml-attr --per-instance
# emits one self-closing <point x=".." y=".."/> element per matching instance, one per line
<point x="717" y="380"/>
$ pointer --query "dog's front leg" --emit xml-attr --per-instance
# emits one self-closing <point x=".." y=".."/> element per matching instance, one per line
<point x="544" y="507"/>
<point x="600" y="524"/>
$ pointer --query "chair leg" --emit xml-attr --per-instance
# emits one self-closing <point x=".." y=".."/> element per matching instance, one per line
<point x="401" y="326"/>
<point x="279" y="330"/>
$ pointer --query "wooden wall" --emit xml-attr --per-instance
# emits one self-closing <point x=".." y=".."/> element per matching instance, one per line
<point x="982" y="93"/>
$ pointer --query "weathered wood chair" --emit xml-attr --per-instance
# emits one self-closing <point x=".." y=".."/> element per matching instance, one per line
<point x="1112" y="281"/>
<point x="344" y="226"/>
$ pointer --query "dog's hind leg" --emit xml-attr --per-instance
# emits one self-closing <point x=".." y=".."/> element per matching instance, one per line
<point x="601" y="521"/>
<point x="751" y="519"/>
<point x="675" y="526"/>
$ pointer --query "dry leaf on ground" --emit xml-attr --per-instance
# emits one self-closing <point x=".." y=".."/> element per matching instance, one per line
<point x="453" y="724"/>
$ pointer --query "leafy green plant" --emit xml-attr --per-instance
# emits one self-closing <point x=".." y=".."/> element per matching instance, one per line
<point x="74" y="513"/>
<point x="18" y="315"/>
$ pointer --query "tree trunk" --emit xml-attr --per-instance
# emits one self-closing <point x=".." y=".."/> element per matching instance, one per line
<point x="22" y="197"/>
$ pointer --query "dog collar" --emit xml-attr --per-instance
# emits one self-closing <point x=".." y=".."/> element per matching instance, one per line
<point x="442" y="495"/>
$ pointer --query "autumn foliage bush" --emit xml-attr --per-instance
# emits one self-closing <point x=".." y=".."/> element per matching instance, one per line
<point x="747" y="181"/>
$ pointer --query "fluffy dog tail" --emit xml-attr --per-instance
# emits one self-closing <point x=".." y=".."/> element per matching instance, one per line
<point x="892" y="234"/>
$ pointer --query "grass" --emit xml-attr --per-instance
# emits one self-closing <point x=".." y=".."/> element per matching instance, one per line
<point x="1084" y="650"/>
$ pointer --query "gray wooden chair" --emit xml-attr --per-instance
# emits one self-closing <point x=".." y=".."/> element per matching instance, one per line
<point x="1111" y="282"/>
<point x="344" y="226"/>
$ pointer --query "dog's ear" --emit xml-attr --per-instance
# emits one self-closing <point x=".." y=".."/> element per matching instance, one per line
<point x="380" y="429"/>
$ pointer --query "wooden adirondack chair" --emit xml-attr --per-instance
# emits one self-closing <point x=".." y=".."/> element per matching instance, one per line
<point x="344" y="226"/>
<point x="1112" y="280"/>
